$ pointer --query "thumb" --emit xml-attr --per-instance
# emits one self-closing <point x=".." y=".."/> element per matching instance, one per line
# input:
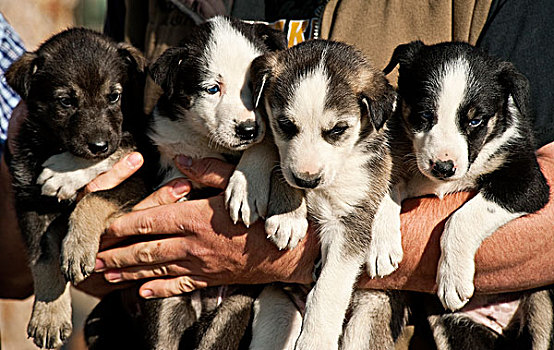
<point x="210" y="172"/>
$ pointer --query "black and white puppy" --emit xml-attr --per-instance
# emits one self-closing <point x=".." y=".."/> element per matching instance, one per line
<point x="465" y="117"/>
<point x="327" y="108"/>
<point x="81" y="90"/>
<point x="207" y="109"/>
<point x="463" y="123"/>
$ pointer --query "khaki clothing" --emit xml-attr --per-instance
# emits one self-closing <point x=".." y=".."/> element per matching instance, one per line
<point x="377" y="27"/>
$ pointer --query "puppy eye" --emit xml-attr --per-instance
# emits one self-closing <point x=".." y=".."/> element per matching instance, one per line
<point x="114" y="97"/>
<point x="287" y="127"/>
<point x="66" y="102"/>
<point x="214" y="89"/>
<point x="475" y="122"/>
<point x="427" y="115"/>
<point x="336" y="132"/>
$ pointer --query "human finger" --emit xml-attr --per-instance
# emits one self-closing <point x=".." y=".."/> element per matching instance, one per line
<point x="168" y="193"/>
<point x="211" y="172"/>
<point x="121" y="170"/>
<point x="176" y="218"/>
<point x="142" y="272"/>
<point x="167" y="287"/>
<point x="142" y="253"/>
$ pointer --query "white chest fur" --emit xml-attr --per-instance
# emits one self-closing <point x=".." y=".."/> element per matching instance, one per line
<point x="175" y="137"/>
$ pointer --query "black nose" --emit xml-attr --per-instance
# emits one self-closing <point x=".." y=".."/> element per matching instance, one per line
<point x="307" y="183"/>
<point x="98" y="147"/>
<point x="247" y="130"/>
<point x="442" y="169"/>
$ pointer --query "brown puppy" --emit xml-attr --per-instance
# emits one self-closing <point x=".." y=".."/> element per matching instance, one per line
<point x="81" y="90"/>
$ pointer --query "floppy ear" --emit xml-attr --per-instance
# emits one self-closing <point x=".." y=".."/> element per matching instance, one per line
<point x="260" y="74"/>
<point x="164" y="70"/>
<point x="274" y="39"/>
<point x="133" y="57"/>
<point x="378" y="102"/>
<point x="517" y="86"/>
<point x="403" y="54"/>
<point x="19" y="73"/>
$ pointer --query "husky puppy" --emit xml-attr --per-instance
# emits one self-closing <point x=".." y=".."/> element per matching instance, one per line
<point x="463" y="123"/>
<point x="327" y="108"/>
<point x="80" y="89"/>
<point x="207" y="110"/>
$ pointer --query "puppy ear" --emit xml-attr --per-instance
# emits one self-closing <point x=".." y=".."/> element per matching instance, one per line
<point x="132" y="56"/>
<point x="20" y="72"/>
<point x="403" y="54"/>
<point x="516" y="85"/>
<point x="164" y="70"/>
<point x="260" y="74"/>
<point x="274" y="39"/>
<point x="378" y="102"/>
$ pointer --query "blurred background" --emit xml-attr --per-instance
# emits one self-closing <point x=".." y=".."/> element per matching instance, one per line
<point x="35" y="21"/>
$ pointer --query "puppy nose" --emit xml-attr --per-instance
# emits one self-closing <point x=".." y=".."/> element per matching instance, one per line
<point x="443" y="169"/>
<point x="308" y="181"/>
<point x="247" y="130"/>
<point x="98" y="147"/>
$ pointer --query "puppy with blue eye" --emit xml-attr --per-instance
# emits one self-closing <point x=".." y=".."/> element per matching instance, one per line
<point x="463" y="123"/>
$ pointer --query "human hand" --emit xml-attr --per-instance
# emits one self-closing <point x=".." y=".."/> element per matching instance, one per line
<point x="201" y="246"/>
<point x="127" y="166"/>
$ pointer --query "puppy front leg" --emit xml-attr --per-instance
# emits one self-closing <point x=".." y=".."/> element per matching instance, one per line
<point x="91" y="216"/>
<point x="50" y="324"/>
<point x="385" y="249"/>
<point x="463" y="233"/>
<point x="328" y="300"/>
<point x="287" y="220"/>
<point x="247" y="194"/>
<point x="64" y="174"/>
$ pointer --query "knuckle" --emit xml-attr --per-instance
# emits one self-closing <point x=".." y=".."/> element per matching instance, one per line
<point x="184" y="284"/>
<point x="143" y="254"/>
<point x="161" y="270"/>
<point x="145" y="224"/>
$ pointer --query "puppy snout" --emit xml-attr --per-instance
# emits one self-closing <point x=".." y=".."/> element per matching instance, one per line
<point x="98" y="147"/>
<point x="443" y="169"/>
<point x="307" y="181"/>
<point x="247" y="130"/>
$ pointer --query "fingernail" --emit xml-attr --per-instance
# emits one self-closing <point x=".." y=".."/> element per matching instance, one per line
<point x="134" y="160"/>
<point x="99" y="265"/>
<point x="180" y="188"/>
<point x="184" y="161"/>
<point x="147" y="294"/>
<point x="113" y="276"/>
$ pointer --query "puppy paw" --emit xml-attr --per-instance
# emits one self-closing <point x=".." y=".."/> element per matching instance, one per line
<point x="78" y="256"/>
<point x="385" y="253"/>
<point x="247" y="196"/>
<point x="61" y="185"/>
<point x="50" y="324"/>
<point x="286" y="230"/>
<point x="64" y="174"/>
<point x="455" y="283"/>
